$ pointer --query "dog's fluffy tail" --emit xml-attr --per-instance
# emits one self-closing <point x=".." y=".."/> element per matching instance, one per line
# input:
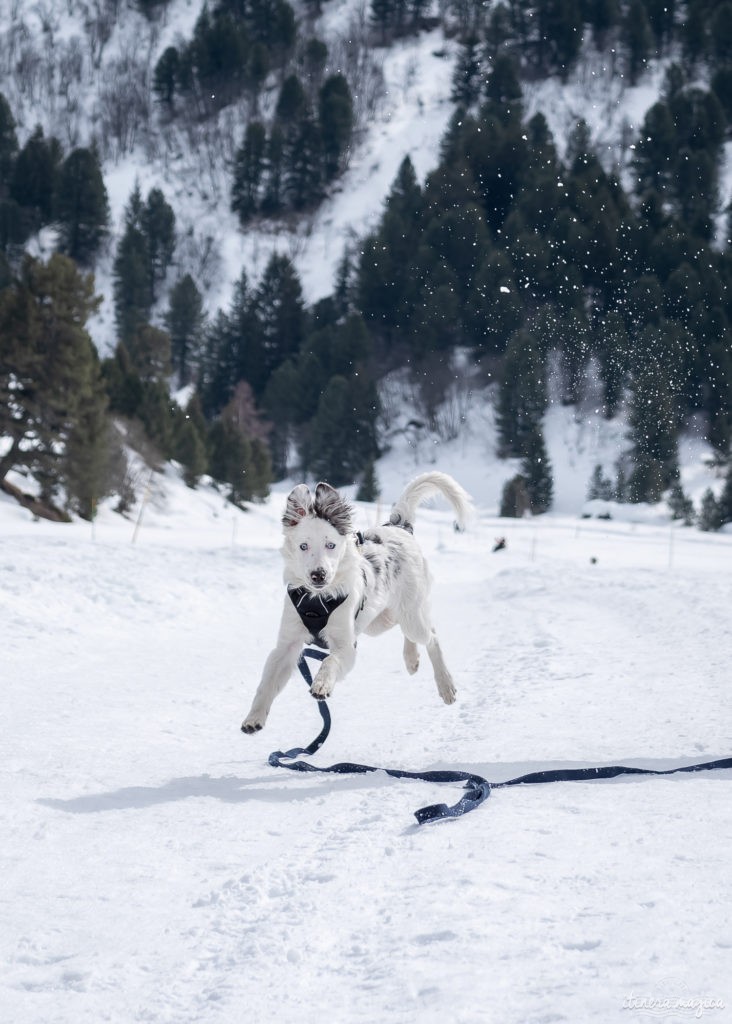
<point x="421" y="489"/>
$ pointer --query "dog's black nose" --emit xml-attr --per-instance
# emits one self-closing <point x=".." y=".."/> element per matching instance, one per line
<point x="318" y="576"/>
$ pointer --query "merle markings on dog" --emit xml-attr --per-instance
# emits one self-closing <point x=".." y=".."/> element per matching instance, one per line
<point x="341" y="583"/>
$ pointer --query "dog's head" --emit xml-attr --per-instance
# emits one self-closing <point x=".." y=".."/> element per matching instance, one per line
<point x="316" y="529"/>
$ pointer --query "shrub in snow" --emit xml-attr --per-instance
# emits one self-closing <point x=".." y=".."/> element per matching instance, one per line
<point x="515" y="500"/>
<point x="709" y="513"/>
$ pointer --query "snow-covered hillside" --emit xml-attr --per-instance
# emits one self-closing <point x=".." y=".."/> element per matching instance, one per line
<point x="156" y="869"/>
<point x="408" y="113"/>
<point x="65" y="63"/>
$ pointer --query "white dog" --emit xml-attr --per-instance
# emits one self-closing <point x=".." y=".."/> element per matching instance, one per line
<point x="341" y="583"/>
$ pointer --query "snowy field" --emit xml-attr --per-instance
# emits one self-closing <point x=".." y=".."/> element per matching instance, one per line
<point x="155" y="869"/>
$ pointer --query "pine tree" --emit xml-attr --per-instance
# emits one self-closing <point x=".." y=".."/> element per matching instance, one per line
<point x="537" y="472"/>
<point x="238" y="462"/>
<point x="661" y="20"/>
<point x="721" y="33"/>
<point x="621" y="490"/>
<point x="8" y="145"/>
<point x="189" y="448"/>
<point x="637" y="39"/>
<point x="158" y="413"/>
<point x="131" y="274"/>
<point x="559" y="33"/>
<point x="654" y="413"/>
<point x="82" y="206"/>
<point x="368" y="488"/>
<point x="467" y="76"/>
<point x="315" y="56"/>
<point x="292" y="102"/>
<point x="157" y="221"/>
<point x="335" y="114"/>
<point x="719" y="393"/>
<point x="382" y="16"/>
<point x="656" y="150"/>
<point x="600" y="486"/>
<point x="149" y="350"/>
<point x="602" y="16"/>
<point x="341" y="438"/>
<point x="16" y="224"/>
<point x="258" y="67"/>
<point x="273" y="197"/>
<point x="694" y="32"/>
<point x="387" y="287"/>
<point x="648" y="479"/>
<point x="260" y="471"/>
<point x="92" y="450"/>
<point x="123" y="385"/>
<point x="612" y="346"/>
<point x="680" y="504"/>
<point x="218" y="53"/>
<point x="248" y="172"/>
<point x="231" y="350"/>
<point x="493" y="305"/>
<point x="722" y="88"/>
<point x="51" y="394"/>
<point x="725" y="498"/>
<point x="499" y="29"/>
<point x="34" y="181"/>
<point x="279" y="321"/>
<point x="184" y="322"/>
<point x="282" y="402"/>
<point x="303" y="162"/>
<point x="698" y="191"/>
<point x="166" y="77"/>
<point x="522" y="398"/>
<point x="503" y="86"/>
<point x="710" y="516"/>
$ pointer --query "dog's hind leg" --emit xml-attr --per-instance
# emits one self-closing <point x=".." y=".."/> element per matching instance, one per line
<point x="411" y="656"/>
<point x="417" y="630"/>
<point x="445" y="685"/>
<point x="384" y="621"/>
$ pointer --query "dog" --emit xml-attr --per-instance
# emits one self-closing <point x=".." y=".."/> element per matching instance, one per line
<point x="341" y="583"/>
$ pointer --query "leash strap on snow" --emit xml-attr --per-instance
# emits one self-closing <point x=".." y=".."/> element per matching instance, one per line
<point x="608" y="772"/>
<point x="274" y="758"/>
<point x="477" y="788"/>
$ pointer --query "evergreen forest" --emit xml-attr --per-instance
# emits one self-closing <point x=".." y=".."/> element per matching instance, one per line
<point x="540" y="258"/>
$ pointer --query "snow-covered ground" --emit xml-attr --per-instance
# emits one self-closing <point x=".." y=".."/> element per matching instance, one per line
<point x="155" y="869"/>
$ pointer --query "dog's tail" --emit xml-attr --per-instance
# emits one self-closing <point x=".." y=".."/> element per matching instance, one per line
<point x="424" y="487"/>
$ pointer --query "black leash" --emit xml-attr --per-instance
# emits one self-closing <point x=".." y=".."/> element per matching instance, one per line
<point x="477" y="788"/>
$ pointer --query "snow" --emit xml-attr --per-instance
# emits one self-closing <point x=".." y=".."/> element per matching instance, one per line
<point x="156" y="869"/>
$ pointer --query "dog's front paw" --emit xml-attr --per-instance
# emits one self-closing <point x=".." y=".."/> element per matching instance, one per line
<point x="321" y="690"/>
<point x="446" y="689"/>
<point x="252" y="724"/>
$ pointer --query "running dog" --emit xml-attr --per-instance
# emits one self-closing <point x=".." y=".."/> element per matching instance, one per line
<point x="341" y="583"/>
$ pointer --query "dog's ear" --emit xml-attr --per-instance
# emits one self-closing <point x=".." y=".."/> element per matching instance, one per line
<point x="299" y="503"/>
<point x="329" y="505"/>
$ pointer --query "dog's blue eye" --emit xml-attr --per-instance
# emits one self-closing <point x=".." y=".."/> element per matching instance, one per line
<point x="330" y="545"/>
<point x="303" y="546"/>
